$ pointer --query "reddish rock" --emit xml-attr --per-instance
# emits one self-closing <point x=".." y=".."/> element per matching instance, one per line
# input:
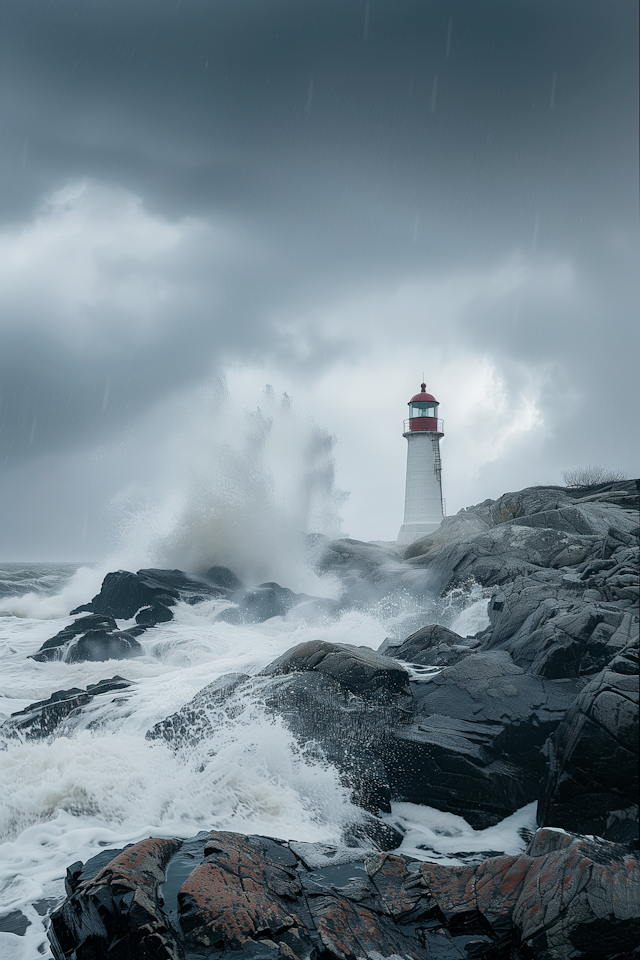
<point x="236" y="895"/>
<point x="119" y="905"/>
<point x="566" y="897"/>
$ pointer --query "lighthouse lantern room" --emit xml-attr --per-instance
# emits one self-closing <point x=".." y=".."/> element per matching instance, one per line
<point x="423" y="511"/>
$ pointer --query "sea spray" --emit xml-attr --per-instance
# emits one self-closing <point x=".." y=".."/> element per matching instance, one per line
<point x="242" y="487"/>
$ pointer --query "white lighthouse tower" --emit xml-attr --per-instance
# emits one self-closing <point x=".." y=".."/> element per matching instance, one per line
<point x="423" y="493"/>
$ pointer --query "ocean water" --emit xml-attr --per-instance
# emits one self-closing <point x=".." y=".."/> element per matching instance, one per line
<point x="99" y="783"/>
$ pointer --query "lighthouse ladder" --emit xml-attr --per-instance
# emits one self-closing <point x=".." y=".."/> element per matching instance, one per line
<point x="437" y="462"/>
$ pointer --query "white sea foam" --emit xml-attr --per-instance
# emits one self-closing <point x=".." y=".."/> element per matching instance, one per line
<point x="435" y="835"/>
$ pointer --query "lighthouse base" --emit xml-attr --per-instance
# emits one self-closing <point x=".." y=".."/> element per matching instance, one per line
<point x="409" y="532"/>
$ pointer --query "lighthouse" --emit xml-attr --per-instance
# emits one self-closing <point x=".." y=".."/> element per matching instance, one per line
<point x="423" y="492"/>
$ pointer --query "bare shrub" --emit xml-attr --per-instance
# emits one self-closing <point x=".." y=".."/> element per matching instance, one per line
<point x="591" y="475"/>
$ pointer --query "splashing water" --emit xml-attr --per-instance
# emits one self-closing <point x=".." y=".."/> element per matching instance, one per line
<point x="243" y="490"/>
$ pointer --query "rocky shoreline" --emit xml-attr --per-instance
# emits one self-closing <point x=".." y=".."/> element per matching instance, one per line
<point x="260" y="898"/>
<point x="541" y="706"/>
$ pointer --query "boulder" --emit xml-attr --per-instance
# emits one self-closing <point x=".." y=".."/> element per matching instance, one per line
<point x="40" y="719"/>
<point x="591" y="782"/>
<point x="269" y="600"/>
<point x="343" y="698"/>
<point x="359" y="670"/>
<point x="433" y="645"/>
<point x="467" y="739"/>
<point x="224" y="578"/>
<point x="124" y="593"/>
<point x="564" y="898"/>
<point x="348" y="700"/>
<point x="93" y="637"/>
<point x="148" y="595"/>
<point x="117" y="906"/>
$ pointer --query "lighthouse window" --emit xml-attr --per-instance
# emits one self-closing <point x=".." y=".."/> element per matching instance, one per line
<point x="423" y="410"/>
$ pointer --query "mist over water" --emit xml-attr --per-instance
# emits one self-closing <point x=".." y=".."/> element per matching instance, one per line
<point x="242" y="484"/>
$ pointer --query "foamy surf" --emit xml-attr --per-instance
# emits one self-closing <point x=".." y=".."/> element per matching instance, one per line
<point x="99" y="783"/>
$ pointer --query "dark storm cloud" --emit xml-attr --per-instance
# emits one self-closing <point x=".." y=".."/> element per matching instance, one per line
<point x="452" y="134"/>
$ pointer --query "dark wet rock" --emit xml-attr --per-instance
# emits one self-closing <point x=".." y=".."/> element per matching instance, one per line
<point x="98" y="645"/>
<point x="433" y="645"/>
<point x="148" y="595"/>
<point x="14" y="922"/>
<point x="348" y="700"/>
<point x="343" y="698"/>
<point x="564" y="898"/>
<point x="93" y="637"/>
<point x="223" y="577"/>
<point x="118" y="908"/>
<point x="474" y="745"/>
<point x="358" y="669"/>
<point x="40" y="719"/>
<point x="591" y="782"/>
<point x="269" y="600"/>
<point x="94" y="622"/>
<point x="467" y="740"/>
<point x="157" y="612"/>
<point x="80" y="872"/>
<point x="124" y="593"/>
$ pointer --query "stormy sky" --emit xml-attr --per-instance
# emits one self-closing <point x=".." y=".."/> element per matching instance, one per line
<point x="329" y="196"/>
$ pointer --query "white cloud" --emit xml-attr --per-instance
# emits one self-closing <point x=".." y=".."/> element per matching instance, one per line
<point x="95" y="271"/>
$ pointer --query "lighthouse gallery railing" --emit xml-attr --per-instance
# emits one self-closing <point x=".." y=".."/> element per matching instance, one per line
<point x="423" y="425"/>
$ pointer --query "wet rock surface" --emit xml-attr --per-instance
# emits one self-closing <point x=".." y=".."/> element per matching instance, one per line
<point x="269" y="600"/>
<point x="564" y="897"/>
<point x="123" y="593"/>
<point x="40" y="719"/>
<point x="591" y="781"/>
<point x="91" y="637"/>
<point x="150" y="595"/>
<point x="433" y="645"/>
<point x="564" y="569"/>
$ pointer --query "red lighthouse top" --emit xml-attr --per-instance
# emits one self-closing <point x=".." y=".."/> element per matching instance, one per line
<point x="423" y="414"/>
<point x="423" y="395"/>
